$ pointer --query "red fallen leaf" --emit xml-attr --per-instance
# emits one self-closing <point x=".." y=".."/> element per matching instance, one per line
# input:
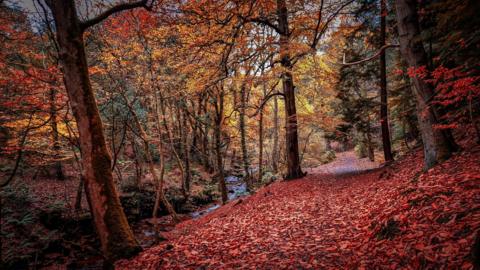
<point x="467" y="265"/>
<point x="419" y="246"/>
<point x="331" y="249"/>
<point x="234" y="252"/>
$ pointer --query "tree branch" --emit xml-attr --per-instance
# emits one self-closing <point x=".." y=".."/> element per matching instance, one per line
<point x="377" y="54"/>
<point x="261" y="21"/>
<point x="265" y="102"/>
<point x="115" y="9"/>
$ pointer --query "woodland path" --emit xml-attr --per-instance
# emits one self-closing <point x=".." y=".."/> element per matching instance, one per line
<point x="344" y="163"/>
<point x="334" y="218"/>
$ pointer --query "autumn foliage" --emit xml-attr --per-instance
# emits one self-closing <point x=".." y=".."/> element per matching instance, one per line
<point x="223" y="134"/>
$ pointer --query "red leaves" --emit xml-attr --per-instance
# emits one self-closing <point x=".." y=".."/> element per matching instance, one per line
<point x="326" y="222"/>
<point x="420" y="72"/>
<point x="452" y="86"/>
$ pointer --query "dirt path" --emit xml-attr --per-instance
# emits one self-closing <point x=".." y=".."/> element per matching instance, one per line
<point x="345" y="163"/>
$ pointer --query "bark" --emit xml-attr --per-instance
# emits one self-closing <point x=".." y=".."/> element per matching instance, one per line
<point x="387" y="147"/>
<point x="275" y="152"/>
<point x="160" y="195"/>
<point x="438" y="144"/>
<point x="186" y="153"/>
<point x="243" y="140"/>
<point x="291" y="134"/>
<point x="218" y="147"/>
<point x="116" y="237"/>
<point x="138" y="164"/>
<point x="204" y="138"/>
<point x="260" y="146"/>
<point x="370" y="150"/>
<point x="56" y="144"/>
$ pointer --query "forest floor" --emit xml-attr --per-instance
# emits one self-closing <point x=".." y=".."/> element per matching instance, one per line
<point x="343" y="215"/>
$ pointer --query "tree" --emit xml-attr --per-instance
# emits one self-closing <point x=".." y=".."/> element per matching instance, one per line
<point x="438" y="143"/>
<point x="387" y="147"/>
<point x="116" y="237"/>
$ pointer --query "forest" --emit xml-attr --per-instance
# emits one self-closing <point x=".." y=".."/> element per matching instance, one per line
<point x="239" y="134"/>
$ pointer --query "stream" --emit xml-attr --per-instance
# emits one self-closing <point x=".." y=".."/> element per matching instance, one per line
<point x="236" y="188"/>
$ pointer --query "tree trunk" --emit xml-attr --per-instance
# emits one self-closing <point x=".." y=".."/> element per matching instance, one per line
<point x="56" y="144"/>
<point x="138" y="165"/>
<point x="275" y="152"/>
<point x="370" y="149"/>
<point x="387" y="147"/>
<point x="172" y="145"/>
<point x="438" y="144"/>
<point x="186" y="153"/>
<point x="116" y="237"/>
<point x="243" y="141"/>
<point x="218" y="147"/>
<point x="260" y="146"/>
<point x="291" y="134"/>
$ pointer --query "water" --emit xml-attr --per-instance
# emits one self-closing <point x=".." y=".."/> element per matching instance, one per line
<point x="236" y="188"/>
<point x="202" y="212"/>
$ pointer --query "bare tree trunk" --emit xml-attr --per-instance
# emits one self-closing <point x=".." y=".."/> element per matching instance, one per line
<point x="56" y="144"/>
<point x="387" y="147"/>
<point x="160" y="195"/>
<point x="260" y="138"/>
<point x="218" y="146"/>
<point x="260" y="146"/>
<point x="275" y="152"/>
<point x="186" y="154"/>
<point x="370" y="150"/>
<point x="438" y="144"/>
<point x="116" y="237"/>
<point x="291" y="134"/>
<point x="243" y="141"/>
<point x="138" y="164"/>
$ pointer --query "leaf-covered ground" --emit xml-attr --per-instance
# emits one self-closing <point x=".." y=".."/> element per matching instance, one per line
<point x="393" y="218"/>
